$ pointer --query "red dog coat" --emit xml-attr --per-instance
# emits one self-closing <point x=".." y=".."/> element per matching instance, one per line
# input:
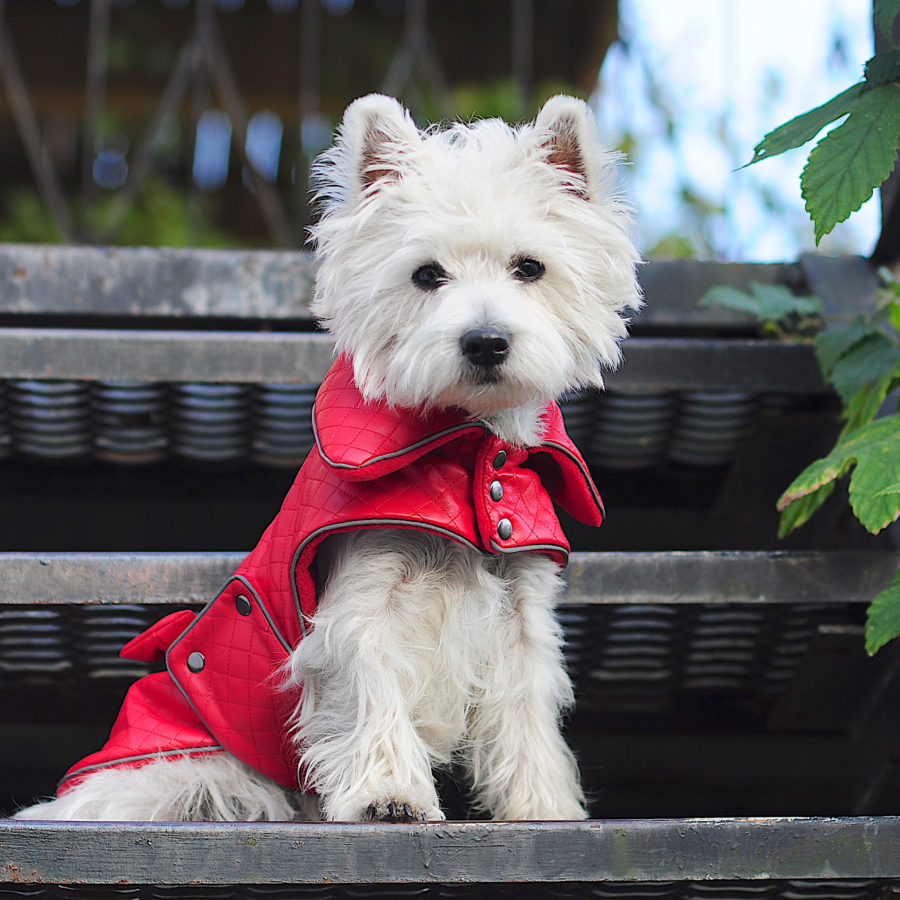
<point x="372" y="467"/>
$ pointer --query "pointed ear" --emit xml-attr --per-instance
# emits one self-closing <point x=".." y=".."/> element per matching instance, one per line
<point x="568" y="132"/>
<point x="377" y="132"/>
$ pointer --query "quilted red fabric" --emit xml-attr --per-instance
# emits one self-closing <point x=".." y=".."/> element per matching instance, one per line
<point x="373" y="466"/>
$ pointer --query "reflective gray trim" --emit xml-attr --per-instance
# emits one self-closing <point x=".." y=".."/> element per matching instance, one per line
<point x="534" y="548"/>
<point x="203" y="612"/>
<point x="158" y="754"/>
<point x="397" y="453"/>
<point x="281" y="638"/>
<point x="359" y="523"/>
<point x="178" y="640"/>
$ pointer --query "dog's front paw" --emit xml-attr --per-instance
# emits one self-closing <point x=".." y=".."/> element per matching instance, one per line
<point x="398" y="811"/>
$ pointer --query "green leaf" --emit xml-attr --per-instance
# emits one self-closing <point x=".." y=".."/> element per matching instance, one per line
<point x="858" y="411"/>
<point x="863" y="408"/>
<point x="846" y="166"/>
<point x="835" y="341"/>
<point x="866" y="362"/>
<point x="892" y="489"/>
<point x="894" y="314"/>
<point x="777" y="301"/>
<point x="802" y="129"/>
<point x="768" y="302"/>
<point x="885" y="11"/>
<point x="883" y="621"/>
<point x="874" y="450"/>
<point x="801" y="510"/>
<point x="883" y="68"/>
<point x="730" y="298"/>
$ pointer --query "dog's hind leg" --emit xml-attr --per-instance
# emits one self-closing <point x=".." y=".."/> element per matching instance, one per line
<point x="367" y="727"/>
<point x="521" y="767"/>
<point x="210" y="788"/>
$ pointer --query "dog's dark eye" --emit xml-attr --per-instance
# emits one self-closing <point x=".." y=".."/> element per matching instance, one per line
<point x="429" y="277"/>
<point x="528" y="269"/>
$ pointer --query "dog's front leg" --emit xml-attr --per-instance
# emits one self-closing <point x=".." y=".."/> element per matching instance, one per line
<point x="362" y="671"/>
<point x="521" y="767"/>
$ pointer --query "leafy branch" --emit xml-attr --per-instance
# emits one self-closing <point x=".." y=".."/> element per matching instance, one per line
<point x="862" y="360"/>
<point x="853" y="159"/>
<point x="782" y="313"/>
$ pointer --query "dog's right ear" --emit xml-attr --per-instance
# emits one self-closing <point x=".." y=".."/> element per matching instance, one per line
<point x="569" y="137"/>
<point x="378" y="135"/>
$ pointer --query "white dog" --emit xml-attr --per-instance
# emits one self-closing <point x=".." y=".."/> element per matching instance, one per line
<point x="397" y="616"/>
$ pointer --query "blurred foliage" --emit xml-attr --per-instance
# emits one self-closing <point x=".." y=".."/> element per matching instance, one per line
<point x="672" y="246"/>
<point x="143" y="43"/>
<point x="162" y="216"/>
<point x="851" y="160"/>
<point x="489" y="100"/>
<point x="26" y="220"/>
<point x="781" y="313"/>
<point x="861" y="358"/>
<point x="669" y="127"/>
<point x="165" y="216"/>
<point x="500" y="99"/>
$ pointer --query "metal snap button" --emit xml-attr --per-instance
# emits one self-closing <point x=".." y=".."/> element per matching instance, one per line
<point x="500" y="460"/>
<point x="496" y="491"/>
<point x="196" y="661"/>
<point x="504" y="529"/>
<point x="243" y="605"/>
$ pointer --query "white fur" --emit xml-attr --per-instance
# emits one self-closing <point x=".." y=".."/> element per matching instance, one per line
<point x="216" y="788"/>
<point x="423" y="652"/>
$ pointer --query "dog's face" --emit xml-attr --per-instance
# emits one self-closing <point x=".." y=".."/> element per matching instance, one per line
<point x="481" y="267"/>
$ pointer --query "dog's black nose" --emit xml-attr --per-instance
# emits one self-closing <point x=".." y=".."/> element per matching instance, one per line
<point x="485" y="347"/>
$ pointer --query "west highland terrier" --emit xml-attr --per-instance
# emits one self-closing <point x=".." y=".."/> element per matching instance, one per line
<point x="397" y="617"/>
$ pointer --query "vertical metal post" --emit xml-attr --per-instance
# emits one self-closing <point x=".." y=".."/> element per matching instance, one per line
<point x="225" y="83"/>
<point x="417" y="35"/>
<point x="310" y="56"/>
<point x="30" y="132"/>
<point x="418" y="50"/>
<point x="523" y="54"/>
<point x="417" y="20"/>
<point x="188" y="61"/>
<point x="888" y="245"/>
<point x="95" y="95"/>
<point x="201" y="87"/>
<point x="201" y="101"/>
<point x="310" y="96"/>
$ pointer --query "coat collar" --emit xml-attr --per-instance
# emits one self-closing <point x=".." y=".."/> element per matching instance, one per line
<point x="363" y="441"/>
<point x="367" y="440"/>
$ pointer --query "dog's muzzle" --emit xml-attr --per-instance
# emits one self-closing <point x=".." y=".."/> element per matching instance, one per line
<point x="485" y="347"/>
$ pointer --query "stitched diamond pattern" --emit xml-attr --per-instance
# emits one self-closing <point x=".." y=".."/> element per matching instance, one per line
<point x="236" y="691"/>
<point x="353" y="433"/>
<point x="140" y="730"/>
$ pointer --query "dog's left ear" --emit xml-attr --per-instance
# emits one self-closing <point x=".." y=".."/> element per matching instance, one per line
<point x="567" y="131"/>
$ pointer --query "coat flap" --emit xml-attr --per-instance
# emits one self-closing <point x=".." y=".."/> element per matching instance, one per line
<point x="151" y="645"/>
